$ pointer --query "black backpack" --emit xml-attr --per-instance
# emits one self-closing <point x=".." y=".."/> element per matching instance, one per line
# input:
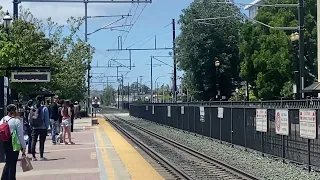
<point x="35" y="117"/>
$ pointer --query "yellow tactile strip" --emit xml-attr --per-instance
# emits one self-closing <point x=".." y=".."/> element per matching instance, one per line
<point x="107" y="163"/>
<point x="137" y="166"/>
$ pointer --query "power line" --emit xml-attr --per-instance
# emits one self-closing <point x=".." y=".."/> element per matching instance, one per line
<point x="154" y="33"/>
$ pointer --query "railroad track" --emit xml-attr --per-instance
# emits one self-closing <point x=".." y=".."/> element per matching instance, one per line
<point x="175" y="172"/>
<point x="188" y="163"/>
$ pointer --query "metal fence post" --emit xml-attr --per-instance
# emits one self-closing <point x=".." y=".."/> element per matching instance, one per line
<point x="309" y="144"/>
<point x="182" y="117"/>
<point x="188" y="119"/>
<point x="231" y="138"/>
<point x="220" y="131"/>
<point x="245" y="126"/>
<point x="194" y="120"/>
<point x="210" y="122"/>
<point x="283" y="139"/>
<point x="261" y="135"/>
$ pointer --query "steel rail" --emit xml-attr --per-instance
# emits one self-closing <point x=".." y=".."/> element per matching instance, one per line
<point x="153" y="154"/>
<point x="226" y="167"/>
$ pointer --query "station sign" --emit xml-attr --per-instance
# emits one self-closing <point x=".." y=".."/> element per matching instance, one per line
<point x="308" y="123"/>
<point x="220" y="113"/>
<point x="182" y="109"/>
<point x="30" y="76"/>
<point x="202" y="114"/>
<point x="261" y="120"/>
<point x="282" y="121"/>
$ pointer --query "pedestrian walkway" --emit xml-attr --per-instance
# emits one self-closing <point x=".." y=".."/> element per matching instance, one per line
<point x="99" y="153"/>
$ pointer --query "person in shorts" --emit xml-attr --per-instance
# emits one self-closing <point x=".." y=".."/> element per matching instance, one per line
<point x="66" y="121"/>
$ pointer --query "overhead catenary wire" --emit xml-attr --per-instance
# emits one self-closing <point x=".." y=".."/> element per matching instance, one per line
<point x="151" y="35"/>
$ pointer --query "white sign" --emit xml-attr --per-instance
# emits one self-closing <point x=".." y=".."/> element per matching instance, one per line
<point x="182" y="109"/>
<point x="147" y="108"/>
<point x="152" y="109"/>
<point x="169" y="111"/>
<point x="282" y="121"/>
<point x="308" y="123"/>
<point x="220" y="113"/>
<point x="261" y="120"/>
<point x="202" y="114"/>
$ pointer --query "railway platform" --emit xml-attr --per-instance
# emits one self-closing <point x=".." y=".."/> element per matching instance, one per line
<point x="99" y="153"/>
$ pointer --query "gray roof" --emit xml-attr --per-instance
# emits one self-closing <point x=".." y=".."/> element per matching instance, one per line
<point x="314" y="87"/>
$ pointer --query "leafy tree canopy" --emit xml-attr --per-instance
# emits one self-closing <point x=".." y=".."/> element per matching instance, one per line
<point x="267" y="54"/>
<point x="200" y="45"/>
<point x="32" y="42"/>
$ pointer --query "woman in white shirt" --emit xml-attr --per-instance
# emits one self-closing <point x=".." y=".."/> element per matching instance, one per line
<point x="13" y="120"/>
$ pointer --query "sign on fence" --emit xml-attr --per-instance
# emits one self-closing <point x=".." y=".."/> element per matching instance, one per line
<point x="147" y="108"/>
<point x="182" y="109"/>
<point x="220" y="113"/>
<point x="152" y="109"/>
<point x="282" y="121"/>
<point x="308" y="123"/>
<point x="261" y="120"/>
<point x="202" y="114"/>
<point x="169" y="111"/>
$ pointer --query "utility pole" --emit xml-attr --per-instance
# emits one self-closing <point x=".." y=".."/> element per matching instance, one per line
<point x="301" y="46"/>
<point x="15" y="9"/>
<point x="174" y="61"/>
<point x="141" y="83"/>
<point x="128" y="92"/>
<point x="151" y="99"/>
<point x="86" y="40"/>
<point x="122" y="93"/>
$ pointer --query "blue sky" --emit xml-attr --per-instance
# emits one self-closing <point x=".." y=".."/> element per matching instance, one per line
<point x="152" y="21"/>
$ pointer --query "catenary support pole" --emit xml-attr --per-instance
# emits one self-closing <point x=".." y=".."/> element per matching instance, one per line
<point x="151" y="78"/>
<point x="174" y="61"/>
<point x="86" y="40"/>
<point x="301" y="46"/>
<point x="15" y="9"/>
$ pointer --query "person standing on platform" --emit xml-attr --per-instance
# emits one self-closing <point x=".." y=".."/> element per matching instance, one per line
<point x="26" y="125"/>
<point x="72" y="115"/>
<point x="39" y="121"/>
<point x="13" y="123"/>
<point x="66" y="121"/>
<point x="76" y="110"/>
<point x="54" y="121"/>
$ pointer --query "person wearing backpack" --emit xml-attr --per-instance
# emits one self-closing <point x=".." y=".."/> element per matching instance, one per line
<point x="39" y="121"/>
<point x="11" y="134"/>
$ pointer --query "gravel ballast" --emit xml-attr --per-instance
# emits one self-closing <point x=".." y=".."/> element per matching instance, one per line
<point x="254" y="163"/>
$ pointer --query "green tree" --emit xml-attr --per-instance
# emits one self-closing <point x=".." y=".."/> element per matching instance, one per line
<point x="32" y="42"/>
<point x="108" y="96"/>
<point x="267" y="54"/>
<point x="200" y="45"/>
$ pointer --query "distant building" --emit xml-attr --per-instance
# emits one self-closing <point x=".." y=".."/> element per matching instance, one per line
<point x="253" y="10"/>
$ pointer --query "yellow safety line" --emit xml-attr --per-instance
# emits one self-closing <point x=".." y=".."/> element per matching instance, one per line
<point x="106" y="161"/>
<point x="137" y="166"/>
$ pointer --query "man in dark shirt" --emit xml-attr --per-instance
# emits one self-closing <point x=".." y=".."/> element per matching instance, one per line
<point x="26" y="125"/>
<point x="53" y="115"/>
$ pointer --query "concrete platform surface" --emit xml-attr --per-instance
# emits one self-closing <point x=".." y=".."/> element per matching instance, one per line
<point x="66" y="162"/>
<point x="99" y="153"/>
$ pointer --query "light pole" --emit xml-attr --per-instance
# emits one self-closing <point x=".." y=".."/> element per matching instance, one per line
<point x="217" y="64"/>
<point x="157" y="86"/>
<point x="7" y="25"/>
<point x="7" y="22"/>
<point x="297" y="84"/>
